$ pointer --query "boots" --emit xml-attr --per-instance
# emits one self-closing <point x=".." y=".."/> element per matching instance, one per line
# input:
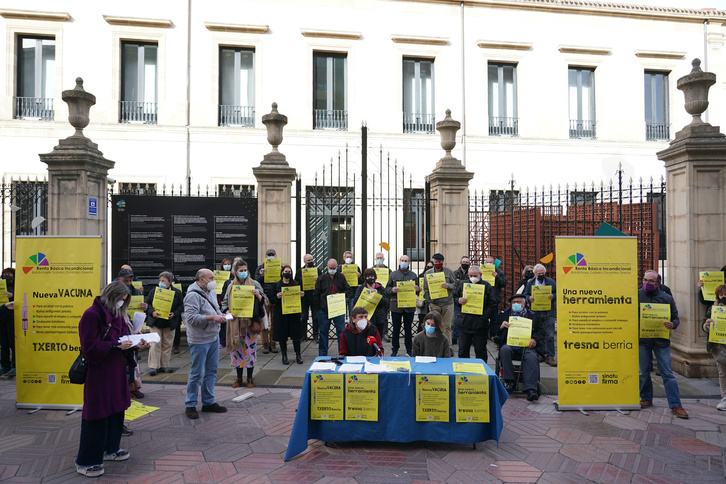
<point x="298" y="358"/>
<point x="285" y="361"/>
<point x="273" y="347"/>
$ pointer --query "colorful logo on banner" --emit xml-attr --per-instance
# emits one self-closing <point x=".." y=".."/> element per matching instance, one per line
<point x="463" y="379"/>
<point x="353" y="378"/>
<point x="645" y="307"/>
<point x="423" y="379"/>
<point x="318" y="378"/>
<point x="578" y="260"/>
<point x="35" y="260"/>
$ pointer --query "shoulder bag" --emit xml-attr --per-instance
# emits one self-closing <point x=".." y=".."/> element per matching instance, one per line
<point x="79" y="368"/>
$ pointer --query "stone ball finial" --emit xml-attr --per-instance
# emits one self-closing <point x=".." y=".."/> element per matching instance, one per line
<point x="696" y="63"/>
<point x="448" y="113"/>
<point x="695" y="88"/>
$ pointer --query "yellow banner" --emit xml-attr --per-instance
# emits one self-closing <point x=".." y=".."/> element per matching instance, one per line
<point x="711" y="280"/>
<point x="652" y="317"/>
<point x="221" y="277"/>
<point x="474" y="294"/>
<point x="350" y="272"/>
<point x="308" y="278"/>
<point x="135" y="306"/>
<point x="336" y="305"/>
<point x="434" y="281"/>
<point x="597" y="324"/>
<point x="326" y="396"/>
<point x="57" y="279"/>
<point x="432" y="398"/>
<point x="273" y="267"/>
<point x="361" y="397"/>
<point x="542" y="301"/>
<point x="469" y="368"/>
<point x="368" y="299"/>
<point x="520" y="332"/>
<point x="242" y="301"/>
<point x="163" y="299"/>
<point x="406" y="295"/>
<point x="3" y="290"/>
<point x="718" y="327"/>
<point x="291" y="300"/>
<point x="472" y="398"/>
<point x="382" y="274"/>
<point x="487" y="273"/>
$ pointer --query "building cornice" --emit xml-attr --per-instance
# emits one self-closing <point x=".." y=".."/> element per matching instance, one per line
<point x="138" y="22"/>
<point x="331" y="34"/>
<point x="238" y="28"/>
<point x="577" y="49"/>
<point x="501" y="44"/>
<point x="418" y="39"/>
<point x="659" y="54"/>
<point x="35" y="15"/>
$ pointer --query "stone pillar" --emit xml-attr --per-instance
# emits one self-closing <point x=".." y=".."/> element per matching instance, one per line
<point x="77" y="179"/>
<point x="695" y="165"/>
<point x="449" y="198"/>
<point x="274" y="182"/>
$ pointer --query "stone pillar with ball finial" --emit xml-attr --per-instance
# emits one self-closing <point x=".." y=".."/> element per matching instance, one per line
<point x="78" y="178"/>
<point x="695" y="165"/>
<point x="449" y="198"/>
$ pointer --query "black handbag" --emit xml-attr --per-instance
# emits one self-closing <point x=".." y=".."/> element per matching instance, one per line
<point x="79" y="368"/>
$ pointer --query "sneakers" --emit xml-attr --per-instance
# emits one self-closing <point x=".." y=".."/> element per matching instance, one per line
<point x="168" y="369"/>
<point x="118" y="455"/>
<point x="386" y="338"/>
<point x="11" y="372"/>
<point x="532" y="395"/>
<point x="153" y="371"/>
<point x="214" y="408"/>
<point x="679" y="412"/>
<point x="510" y="386"/>
<point x="90" y="471"/>
<point x="550" y="360"/>
<point x="136" y="394"/>
<point x="192" y="413"/>
<point x="722" y="405"/>
<point x="126" y="432"/>
<point x="646" y="404"/>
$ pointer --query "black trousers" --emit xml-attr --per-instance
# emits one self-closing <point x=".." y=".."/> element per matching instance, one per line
<point x="479" y="339"/>
<point x="99" y="436"/>
<point x="407" y="337"/>
<point x="7" y="343"/>
<point x="308" y="308"/>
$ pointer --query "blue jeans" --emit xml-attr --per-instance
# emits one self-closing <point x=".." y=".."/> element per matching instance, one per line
<point x="324" y="326"/>
<point x="663" y="357"/>
<point x="205" y="360"/>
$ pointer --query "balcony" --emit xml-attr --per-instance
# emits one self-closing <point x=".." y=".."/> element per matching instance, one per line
<point x="419" y="123"/>
<point x="243" y="116"/>
<point x="657" y="132"/>
<point x="499" y="126"/>
<point x="136" y="112"/>
<point x="333" y="119"/>
<point x="582" y="129"/>
<point x="40" y="108"/>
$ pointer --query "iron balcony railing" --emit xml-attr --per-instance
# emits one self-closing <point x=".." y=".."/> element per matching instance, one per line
<point x="419" y="123"/>
<point x="138" y="112"/>
<point x="243" y="116"/>
<point x="34" y="108"/>
<point x="657" y="132"/>
<point x="335" y="119"/>
<point x="580" y="129"/>
<point x="499" y="126"/>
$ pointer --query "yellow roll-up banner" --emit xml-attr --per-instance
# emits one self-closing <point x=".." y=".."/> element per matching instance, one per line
<point x="56" y="281"/>
<point x="597" y="323"/>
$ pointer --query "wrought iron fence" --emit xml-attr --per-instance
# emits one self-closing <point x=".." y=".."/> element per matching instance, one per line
<point x="333" y="119"/>
<point x="419" y="123"/>
<point x="34" y="108"/>
<point x="243" y="116"/>
<point x="499" y="126"/>
<point x="138" y="112"/>
<point x="582" y="129"/>
<point x="24" y="212"/>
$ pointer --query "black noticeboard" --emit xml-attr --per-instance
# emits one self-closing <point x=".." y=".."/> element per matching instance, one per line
<point x="181" y="234"/>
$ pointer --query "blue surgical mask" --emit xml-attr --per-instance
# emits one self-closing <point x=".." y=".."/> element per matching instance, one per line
<point x="516" y="308"/>
<point x="226" y="267"/>
<point x="242" y="275"/>
<point x="404" y="266"/>
<point x="162" y="285"/>
<point x="430" y="329"/>
<point x="332" y="271"/>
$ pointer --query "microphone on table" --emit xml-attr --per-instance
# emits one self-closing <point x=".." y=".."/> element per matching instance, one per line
<point x="372" y="342"/>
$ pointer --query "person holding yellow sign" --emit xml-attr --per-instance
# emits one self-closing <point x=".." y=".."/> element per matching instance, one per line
<point x="332" y="283"/>
<point x="439" y="288"/>
<point x="475" y="296"/>
<point x="399" y="310"/>
<point x="306" y="277"/>
<point x="718" y="350"/>
<point x="268" y="279"/>
<point x="541" y="291"/>
<point x="650" y="294"/>
<point x="374" y="299"/>
<point x="286" y="300"/>
<point x="165" y="325"/>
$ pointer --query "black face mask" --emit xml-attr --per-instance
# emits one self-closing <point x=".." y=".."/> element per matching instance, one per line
<point x="286" y="275"/>
<point x="722" y="300"/>
<point x="541" y="278"/>
<point x="370" y="281"/>
<point x="529" y="275"/>
<point x="8" y="277"/>
<point x="310" y="264"/>
<point x="465" y="267"/>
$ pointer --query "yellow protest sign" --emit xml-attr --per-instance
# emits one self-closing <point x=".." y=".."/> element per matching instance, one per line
<point x="242" y="301"/>
<point x="472" y="398"/>
<point x="3" y="290"/>
<point x="711" y="280"/>
<point x="163" y="299"/>
<point x="221" y="277"/>
<point x="382" y="274"/>
<point x="135" y="306"/>
<point x="177" y="285"/>
<point x="406" y="295"/>
<point x="652" y="317"/>
<point x="273" y="267"/>
<point x="326" y="396"/>
<point x="369" y="299"/>
<point x="469" y="368"/>
<point x="350" y="272"/>
<point x="434" y="281"/>
<point x="542" y="301"/>
<point x="432" y="398"/>
<point x="137" y="410"/>
<point x="520" y="332"/>
<point x="137" y="284"/>
<point x="336" y="305"/>
<point x="361" y="397"/>
<point x="291" y="300"/>
<point x="597" y="326"/>
<point x="486" y="272"/>
<point x="308" y="278"/>
<point x="397" y="365"/>
<point x="718" y="327"/>
<point x="474" y="294"/>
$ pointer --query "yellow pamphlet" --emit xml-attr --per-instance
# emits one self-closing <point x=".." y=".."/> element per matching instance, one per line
<point x="397" y="365"/>
<point x="472" y="398"/>
<point x="273" y="267"/>
<point x="718" y="327"/>
<point x="177" y="285"/>
<point x="361" y="397"/>
<point x="432" y="398"/>
<point x="163" y="299"/>
<point x="434" y="281"/>
<point x="326" y="396"/>
<point x="486" y="272"/>
<point x="520" y="332"/>
<point x="135" y="306"/>
<point x="382" y="274"/>
<point x="652" y="317"/>
<point x="221" y="277"/>
<point x="137" y="410"/>
<point x="291" y="300"/>
<point x="406" y="294"/>
<point x="242" y="301"/>
<point x="336" y="305"/>
<point x="308" y="278"/>
<point x="3" y="290"/>
<point x="369" y="299"/>
<point x="711" y="280"/>
<point x="541" y="294"/>
<point x="350" y="272"/>
<point x="469" y="368"/>
<point x="474" y="294"/>
<point x="137" y="284"/>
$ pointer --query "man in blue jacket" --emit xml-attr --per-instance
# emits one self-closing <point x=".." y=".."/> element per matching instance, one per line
<point x="549" y="317"/>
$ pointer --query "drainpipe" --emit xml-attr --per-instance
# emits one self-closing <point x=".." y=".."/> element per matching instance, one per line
<point x="463" y="91"/>
<point x="705" y="57"/>
<point x="188" y="113"/>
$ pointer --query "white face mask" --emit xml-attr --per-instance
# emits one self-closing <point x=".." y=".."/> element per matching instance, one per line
<point x="362" y="323"/>
<point x="211" y="285"/>
<point x="474" y="280"/>
<point x="120" y="303"/>
<point x="348" y="260"/>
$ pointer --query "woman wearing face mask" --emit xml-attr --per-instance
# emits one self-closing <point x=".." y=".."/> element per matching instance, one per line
<point x="718" y="351"/>
<point x="225" y="265"/>
<point x="527" y="275"/>
<point x="432" y="341"/>
<point x="241" y="341"/>
<point x="164" y="325"/>
<point x="354" y="340"/>
<point x="7" y="326"/>
<point x="421" y="304"/>
<point x="286" y="325"/>
<point x="379" y="315"/>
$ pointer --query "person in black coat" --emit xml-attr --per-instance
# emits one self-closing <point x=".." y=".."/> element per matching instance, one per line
<point x="328" y="283"/>
<point x="268" y="344"/>
<point x="309" y="306"/>
<point x="286" y="325"/>
<point x="474" y="328"/>
<point x="7" y="326"/>
<point x="165" y="327"/>
<point x="378" y="318"/>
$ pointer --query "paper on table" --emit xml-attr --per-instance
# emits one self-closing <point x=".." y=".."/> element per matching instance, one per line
<point x="355" y="359"/>
<point x="373" y="368"/>
<point x="348" y="368"/>
<point x="136" y="338"/>
<point x="322" y="366"/>
<point x="138" y="321"/>
<point x="425" y="359"/>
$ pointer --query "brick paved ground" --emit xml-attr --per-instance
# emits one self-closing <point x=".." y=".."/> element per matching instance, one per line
<point x="247" y="444"/>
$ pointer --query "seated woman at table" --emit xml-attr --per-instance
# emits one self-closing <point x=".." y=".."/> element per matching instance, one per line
<point x="354" y="340"/>
<point x="432" y="341"/>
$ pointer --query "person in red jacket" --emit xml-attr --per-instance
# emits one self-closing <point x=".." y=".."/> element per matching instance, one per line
<point x="354" y="340"/>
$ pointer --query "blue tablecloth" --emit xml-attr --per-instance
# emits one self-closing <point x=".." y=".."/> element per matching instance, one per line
<point x="397" y="412"/>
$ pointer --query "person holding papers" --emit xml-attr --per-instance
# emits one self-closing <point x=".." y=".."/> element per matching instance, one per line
<point x="378" y="318"/>
<point x="500" y="282"/>
<point x="306" y="277"/>
<point x="651" y="298"/>
<point x="352" y="274"/>
<point x="287" y="324"/>
<point x="439" y="288"/>
<point x="475" y="297"/>
<point x="401" y="310"/>
<point x="541" y="291"/>
<point x="523" y="348"/>
<point x="268" y="281"/>
<point x="354" y="341"/>
<point x="717" y="350"/>
<point x="165" y="325"/>
<point x="330" y="286"/>
<point x="432" y="341"/>
<point x="699" y="286"/>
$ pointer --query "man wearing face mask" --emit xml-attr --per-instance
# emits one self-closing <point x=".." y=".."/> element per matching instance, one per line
<point x="474" y="328"/>
<point x="354" y="341"/>
<point x="527" y="355"/>
<point x="404" y="273"/>
<point x="331" y="283"/>
<point x="309" y="306"/>
<point x="349" y="301"/>
<point x="444" y="305"/>
<point x="650" y="293"/>
<point x="462" y="274"/>
<point x="549" y="317"/>
<point x="203" y="317"/>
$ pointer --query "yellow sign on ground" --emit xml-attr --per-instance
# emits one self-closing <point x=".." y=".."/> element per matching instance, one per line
<point x="472" y="398"/>
<point x="434" y="281"/>
<point x="308" y="278"/>
<point x="520" y="332"/>
<point x="718" y="327"/>
<point x="652" y="317"/>
<point x="163" y="299"/>
<point x="291" y="300"/>
<point x="432" y="398"/>
<point x="137" y="410"/>
<point x="242" y="301"/>
<point x="336" y="305"/>
<point x="326" y="396"/>
<point x="361" y="397"/>
<point x="474" y="294"/>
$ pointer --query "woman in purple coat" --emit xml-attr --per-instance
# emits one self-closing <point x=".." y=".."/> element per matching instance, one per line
<point x="106" y="392"/>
